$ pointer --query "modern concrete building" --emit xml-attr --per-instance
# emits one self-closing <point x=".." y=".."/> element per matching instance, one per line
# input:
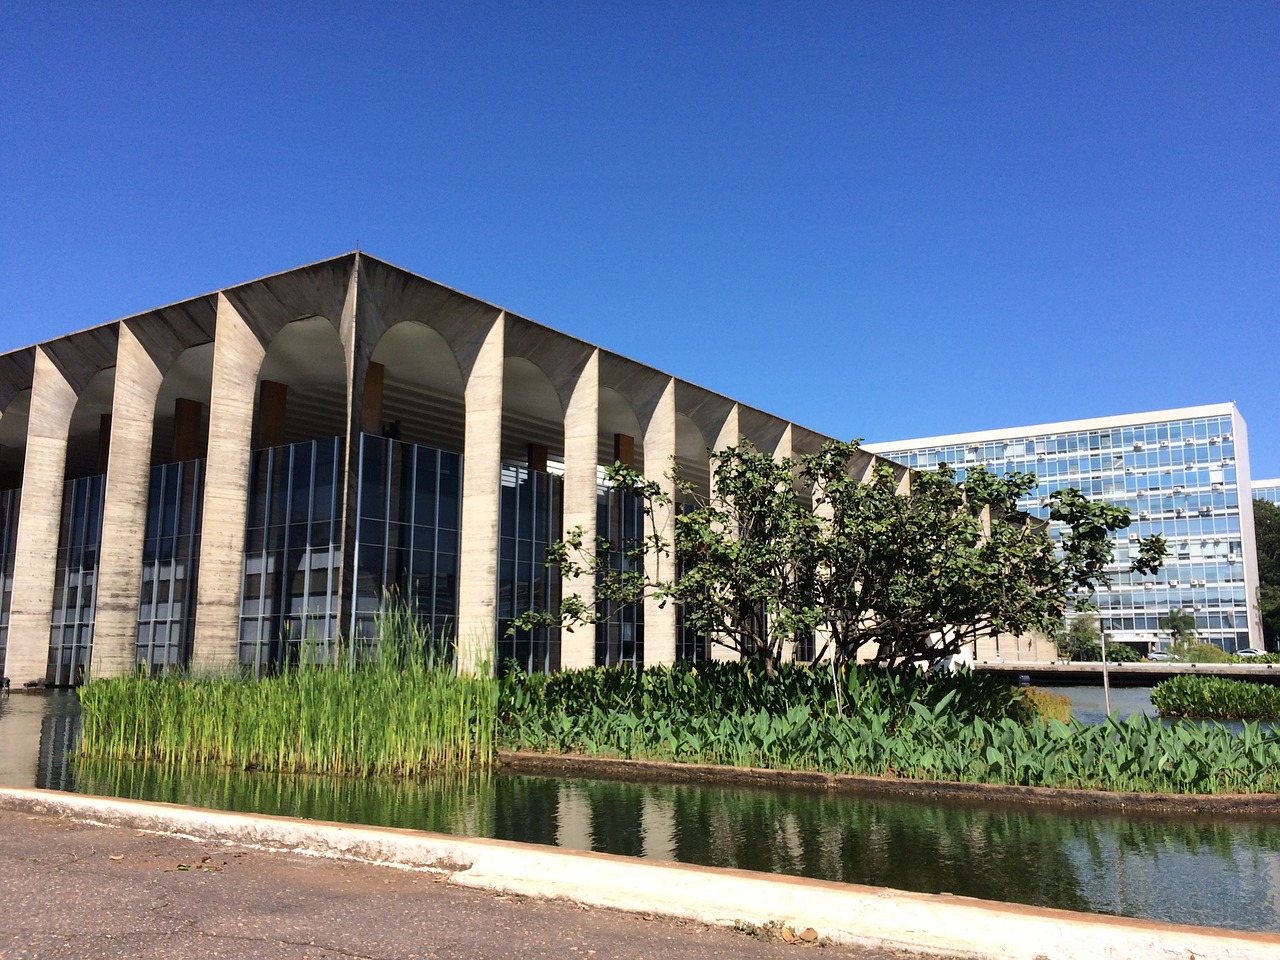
<point x="1268" y="490"/>
<point x="1184" y="474"/>
<point x="246" y="476"/>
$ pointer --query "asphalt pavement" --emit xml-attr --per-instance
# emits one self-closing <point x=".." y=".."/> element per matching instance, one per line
<point x="84" y="892"/>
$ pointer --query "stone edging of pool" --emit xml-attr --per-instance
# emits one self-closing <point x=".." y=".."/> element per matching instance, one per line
<point x="845" y="913"/>
<point x="607" y="768"/>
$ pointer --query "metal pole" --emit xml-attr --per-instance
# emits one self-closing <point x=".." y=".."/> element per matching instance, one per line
<point x="1106" y="677"/>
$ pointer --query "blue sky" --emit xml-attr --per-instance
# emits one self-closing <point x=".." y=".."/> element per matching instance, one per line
<point x="878" y="220"/>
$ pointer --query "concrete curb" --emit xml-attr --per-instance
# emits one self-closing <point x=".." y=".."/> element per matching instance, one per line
<point x="845" y="913"/>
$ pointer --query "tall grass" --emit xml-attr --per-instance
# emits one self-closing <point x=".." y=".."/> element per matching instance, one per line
<point x="402" y="711"/>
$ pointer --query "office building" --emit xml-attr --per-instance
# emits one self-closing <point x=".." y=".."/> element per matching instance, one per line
<point x="1183" y="474"/>
<point x="1268" y="490"/>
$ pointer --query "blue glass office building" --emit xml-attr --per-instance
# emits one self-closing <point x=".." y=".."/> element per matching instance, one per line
<point x="1183" y="474"/>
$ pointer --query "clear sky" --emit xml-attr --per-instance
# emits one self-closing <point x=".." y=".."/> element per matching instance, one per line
<point x="878" y="220"/>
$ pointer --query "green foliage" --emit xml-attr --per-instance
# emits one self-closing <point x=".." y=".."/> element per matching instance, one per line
<point x="1193" y="652"/>
<point x="1216" y="698"/>
<point x="1266" y="525"/>
<point x="789" y="547"/>
<point x="1042" y="704"/>
<point x="957" y="728"/>
<point x="1181" y="626"/>
<point x="402" y="713"/>
<point x="1080" y="639"/>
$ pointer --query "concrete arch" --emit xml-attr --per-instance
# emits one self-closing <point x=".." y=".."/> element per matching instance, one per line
<point x="421" y="396"/>
<point x="181" y="417"/>
<point x="307" y="359"/>
<point x="89" y="432"/>
<point x="532" y="414"/>
<point x="618" y="417"/>
<point x="767" y="434"/>
<point x="691" y="455"/>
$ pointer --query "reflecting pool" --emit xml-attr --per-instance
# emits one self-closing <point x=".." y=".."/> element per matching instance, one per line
<point x="1202" y="870"/>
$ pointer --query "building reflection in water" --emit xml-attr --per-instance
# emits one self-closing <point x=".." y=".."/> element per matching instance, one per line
<point x="1215" y="872"/>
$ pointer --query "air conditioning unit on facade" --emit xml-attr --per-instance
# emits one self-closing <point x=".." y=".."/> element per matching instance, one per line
<point x="1190" y="441"/>
<point x="1164" y="443"/>
<point x="1226" y="438"/>
<point x="1143" y="515"/>
<point x="1139" y="445"/>
<point x="1213" y="439"/>
<point x="1175" y="583"/>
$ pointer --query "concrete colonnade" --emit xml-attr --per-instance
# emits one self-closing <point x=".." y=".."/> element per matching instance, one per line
<point x="651" y="416"/>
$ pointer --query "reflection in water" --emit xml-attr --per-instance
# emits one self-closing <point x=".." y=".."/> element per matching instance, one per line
<point x="1218" y="873"/>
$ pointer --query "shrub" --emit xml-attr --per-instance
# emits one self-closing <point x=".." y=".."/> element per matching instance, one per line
<point x="1216" y="698"/>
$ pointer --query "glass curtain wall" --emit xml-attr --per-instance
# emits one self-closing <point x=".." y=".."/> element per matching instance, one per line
<point x="407" y="538"/>
<point x="9" y="502"/>
<point x="690" y="645"/>
<point x="292" y="559"/>
<point x="76" y="580"/>
<point x="620" y="529"/>
<point x="529" y="520"/>
<point x="170" y="563"/>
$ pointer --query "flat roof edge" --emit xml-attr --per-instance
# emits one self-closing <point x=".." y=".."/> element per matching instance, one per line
<point x="1035" y="430"/>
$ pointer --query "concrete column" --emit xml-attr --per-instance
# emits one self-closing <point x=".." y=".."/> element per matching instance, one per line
<point x="53" y="400"/>
<point x="237" y="358"/>
<point x="481" y="495"/>
<point x="581" y="458"/>
<point x="730" y="435"/>
<point x="659" y="454"/>
<point x="124" y="514"/>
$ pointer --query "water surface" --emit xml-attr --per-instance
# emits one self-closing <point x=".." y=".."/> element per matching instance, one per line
<point x="1203" y="870"/>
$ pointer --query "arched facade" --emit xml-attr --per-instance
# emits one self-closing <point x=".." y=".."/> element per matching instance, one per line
<point x="275" y="464"/>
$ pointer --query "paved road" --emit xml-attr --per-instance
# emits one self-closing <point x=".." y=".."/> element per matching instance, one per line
<point x="70" y="890"/>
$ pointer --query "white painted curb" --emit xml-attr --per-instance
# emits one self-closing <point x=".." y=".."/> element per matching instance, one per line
<point x="845" y="913"/>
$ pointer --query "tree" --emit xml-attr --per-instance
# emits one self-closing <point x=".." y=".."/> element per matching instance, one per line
<point x="1266" y="525"/>
<point x="787" y="546"/>
<point x="1079" y="639"/>
<point x="1181" y="626"/>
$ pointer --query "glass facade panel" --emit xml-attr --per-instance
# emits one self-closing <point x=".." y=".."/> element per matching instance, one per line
<point x="289" y="594"/>
<point x="620" y="523"/>
<point x="691" y="646"/>
<point x="9" y="503"/>
<point x="407" y="538"/>
<point x="530" y="516"/>
<point x="75" y="581"/>
<point x="1178" y="479"/>
<point x="170" y="563"/>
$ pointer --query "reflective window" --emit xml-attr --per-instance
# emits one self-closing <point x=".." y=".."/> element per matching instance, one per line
<point x="620" y="531"/>
<point x="9" y="503"/>
<point x="75" y="581"/>
<point x="407" y="537"/>
<point x="530" y="513"/>
<point x="170" y="561"/>
<point x="292" y="557"/>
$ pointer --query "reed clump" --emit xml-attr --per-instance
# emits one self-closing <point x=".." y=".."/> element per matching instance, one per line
<point x="401" y="711"/>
